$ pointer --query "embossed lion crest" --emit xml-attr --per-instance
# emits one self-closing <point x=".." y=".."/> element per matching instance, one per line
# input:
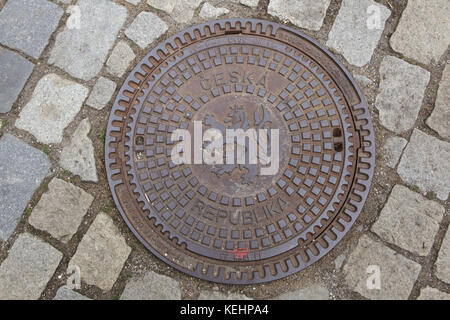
<point x="238" y="119"/>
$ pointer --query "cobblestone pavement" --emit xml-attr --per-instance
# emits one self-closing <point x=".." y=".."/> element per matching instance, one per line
<point x="58" y="79"/>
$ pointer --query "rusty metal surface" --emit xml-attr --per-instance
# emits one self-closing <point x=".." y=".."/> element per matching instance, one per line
<point x="225" y="223"/>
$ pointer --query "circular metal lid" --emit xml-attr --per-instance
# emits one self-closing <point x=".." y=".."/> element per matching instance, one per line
<point x="231" y="223"/>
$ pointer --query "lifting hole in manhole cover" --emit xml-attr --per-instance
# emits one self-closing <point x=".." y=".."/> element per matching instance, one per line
<point x="239" y="151"/>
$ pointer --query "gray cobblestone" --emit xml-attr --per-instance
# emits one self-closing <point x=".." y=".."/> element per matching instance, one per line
<point x="102" y="93"/>
<point x="397" y="273"/>
<point x="402" y="89"/>
<point x="78" y="155"/>
<point x="423" y="32"/>
<point x="209" y="11"/>
<point x="363" y="81"/>
<point x="429" y="293"/>
<point x="425" y="164"/>
<point x="146" y="28"/>
<point x="409" y="221"/>
<point x="249" y="3"/>
<point x="120" y="59"/>
<point x="392" y="150"/>
<point x="27" y="25"/>
<point x="166" y="6"/>
<point x="440" y="117"/>
<point x="101" y="253"/>
<point x="314" y="292"/>
<point x="135" y="2"/>
<point x="27" y="269"/>
<point x="355" y="33"/>
<point x="65" y="293"/>
<point x="15" y="71"/>
<point x="181" y="11"/>
<point x="22" y="170"/>
<point x="308" y="14"/>
<point x="54" y="104"/>
<point x="82" y="52"/>
<point x="152" y="286"/>
<point x="443" y="260"/>
<point x="61" y="209"/>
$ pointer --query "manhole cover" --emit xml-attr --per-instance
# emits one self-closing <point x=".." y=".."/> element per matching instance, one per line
<point x="229" y="222"/>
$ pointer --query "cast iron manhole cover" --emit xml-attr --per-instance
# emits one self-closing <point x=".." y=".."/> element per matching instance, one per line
<point x="228" y="222"/>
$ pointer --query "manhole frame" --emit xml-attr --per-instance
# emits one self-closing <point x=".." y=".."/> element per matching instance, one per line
<point x="360" y="115"/>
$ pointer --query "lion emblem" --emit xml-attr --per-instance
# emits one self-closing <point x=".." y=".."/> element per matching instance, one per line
<point x="238" y="119"/>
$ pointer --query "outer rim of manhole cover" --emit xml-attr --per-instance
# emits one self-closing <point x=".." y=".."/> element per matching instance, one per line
<point x="306" y="229"/>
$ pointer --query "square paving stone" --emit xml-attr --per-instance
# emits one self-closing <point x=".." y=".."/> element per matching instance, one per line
<point x="14" y="73"/>
<point x="180" y="11"/>
<point x="164" y="5"/>
<point x="425" y="164"/>
<point x="135" y="2"/>
<point x="152" y="286"/>
<point x="82" y="52"/>
<point x="429" y="293"/>
<point x="146" y="28"/>
<point x="78" y="156"/>
<point x="101" y="253"/>
<point x="101" y="94"/>
<point x="308" y="14"/>
<point x="355" y="33"/>
<point x="208" y="11"/>
<point x="439" y="120"/>
<point x="249" y="3"/>
<point x="65" y="293"/>
<point x="54" y="104"/>
<point x="61" y="209"/>
<point x="120" y="59"/>
<point x="29" y="266"/>
<point x="27" y="25"/>
<point x="443" y="260"/>
<point x="402" y="88"/>
<point x="392" y="150"/>
<point x="409" y="221"/>
<point x="22" y="169"/>
<point x="314" y="292"/>
<point x="397" y="273"/>
<point x="423" y="32"/>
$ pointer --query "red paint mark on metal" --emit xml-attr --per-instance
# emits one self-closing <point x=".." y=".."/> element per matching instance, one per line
<point x="240" y="253"/>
